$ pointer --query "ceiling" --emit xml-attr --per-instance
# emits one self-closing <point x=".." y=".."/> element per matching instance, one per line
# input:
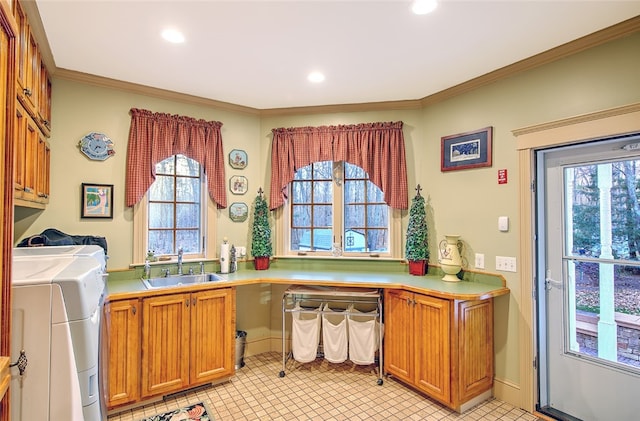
<point x="258" y="53"/>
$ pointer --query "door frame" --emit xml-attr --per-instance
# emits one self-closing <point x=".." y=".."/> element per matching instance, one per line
<point x="592" y="126"/>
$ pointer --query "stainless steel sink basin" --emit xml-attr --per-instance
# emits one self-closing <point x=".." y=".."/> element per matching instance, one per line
<point x="180" y="280"/>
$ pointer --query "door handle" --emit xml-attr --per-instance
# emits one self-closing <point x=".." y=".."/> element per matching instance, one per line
<point x="549" y="282"/>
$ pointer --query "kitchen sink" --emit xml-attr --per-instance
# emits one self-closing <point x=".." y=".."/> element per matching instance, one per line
<point x="180" y="280"/>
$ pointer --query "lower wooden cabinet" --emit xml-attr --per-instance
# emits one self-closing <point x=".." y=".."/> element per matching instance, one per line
<point x="442" y="347"/>
<point x="187" y="339"/>
<point x="121" y="346"/>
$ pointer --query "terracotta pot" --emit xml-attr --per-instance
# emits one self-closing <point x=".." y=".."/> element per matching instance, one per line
<point x="417" y="267"/>
<point x="261" y="262"/>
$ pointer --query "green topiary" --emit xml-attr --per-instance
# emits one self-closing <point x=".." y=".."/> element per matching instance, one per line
<point x="261" y="232"/>
<point x="417" y="247"/>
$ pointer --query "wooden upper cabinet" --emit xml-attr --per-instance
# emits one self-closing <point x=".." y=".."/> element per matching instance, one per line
<point x="33" y="83"/>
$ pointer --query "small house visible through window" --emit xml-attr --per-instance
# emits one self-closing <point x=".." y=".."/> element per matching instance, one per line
<point x="175" y="207"/>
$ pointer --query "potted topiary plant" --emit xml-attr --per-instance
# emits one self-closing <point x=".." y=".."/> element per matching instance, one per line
<point x="417" y="247"/>
<point x="261" y="249"/>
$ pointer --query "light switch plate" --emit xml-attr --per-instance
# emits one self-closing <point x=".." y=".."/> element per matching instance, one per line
<point x="503" y="223"/>
<point x="479" y="261"/>
<point x="506" y="264"/>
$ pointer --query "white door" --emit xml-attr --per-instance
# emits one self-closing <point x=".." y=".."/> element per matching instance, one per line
<point x="588" y="280"/>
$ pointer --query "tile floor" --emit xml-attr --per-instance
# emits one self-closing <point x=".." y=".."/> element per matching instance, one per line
<point x="318" y="391"/>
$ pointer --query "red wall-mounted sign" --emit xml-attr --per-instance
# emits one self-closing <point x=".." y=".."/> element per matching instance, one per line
<point x="502" y="176"/>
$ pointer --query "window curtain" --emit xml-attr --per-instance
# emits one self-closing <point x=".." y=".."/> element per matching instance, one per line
<point x="154" y="137"/>
<point x="378" y="148"/>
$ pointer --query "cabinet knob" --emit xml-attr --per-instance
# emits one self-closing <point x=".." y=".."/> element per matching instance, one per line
<point x="27" y="92"/>
<point x="133" y="310"/>
<point x="186" y="302"/>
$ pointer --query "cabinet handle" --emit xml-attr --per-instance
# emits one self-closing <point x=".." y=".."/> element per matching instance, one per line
<point x="193" y="301"/>
<point x="186" y="302"/>
<point x="28" y="189"/>
<point x="133" y="310"/>
<point x="27" y="92"/>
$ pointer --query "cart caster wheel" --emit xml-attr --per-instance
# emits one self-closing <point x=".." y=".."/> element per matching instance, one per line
<point x="380" y="382"/>
<point x="281" y="374"/>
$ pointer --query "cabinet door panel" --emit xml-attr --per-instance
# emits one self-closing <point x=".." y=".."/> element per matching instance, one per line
<point x="212" y="335"/>
<point x="399" y="334"/>
<point x="433" y="354"/>
<point x="475" y="347"/>
<point x="122" y="342"/>
<point x="165" y="344"/>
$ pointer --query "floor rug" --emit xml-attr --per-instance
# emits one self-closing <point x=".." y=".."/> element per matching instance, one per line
<point x="195" y="412"/>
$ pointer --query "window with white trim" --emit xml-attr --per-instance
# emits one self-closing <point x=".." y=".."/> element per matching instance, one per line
<point x="175" y="212"/>
<point x="334" y="210"/>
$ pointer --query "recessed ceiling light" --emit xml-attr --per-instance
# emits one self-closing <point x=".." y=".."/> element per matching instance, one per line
<point x="422" y="7"/>
<point x="315" y="77"/>
<point x="173" y="35"/>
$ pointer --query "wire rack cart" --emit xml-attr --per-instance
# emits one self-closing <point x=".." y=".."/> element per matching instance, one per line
<point x="311" y="299"/>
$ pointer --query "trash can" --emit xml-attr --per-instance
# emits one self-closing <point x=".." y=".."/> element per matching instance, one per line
<point x="241" y="340"/>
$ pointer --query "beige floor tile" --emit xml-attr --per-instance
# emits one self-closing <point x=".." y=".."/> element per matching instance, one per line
<point x="319" y="391"/>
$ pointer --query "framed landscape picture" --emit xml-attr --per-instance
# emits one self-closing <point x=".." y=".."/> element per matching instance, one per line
<point x="467" y="150"/>
<point x="97" y="201"/>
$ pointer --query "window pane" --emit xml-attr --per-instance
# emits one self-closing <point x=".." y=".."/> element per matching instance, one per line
<point x="189" y="240"/>
<point x="353" y="171"/>
<point x="323" y="170"/>
<point x="377" y="216"/>
<point x="322" y="216"/>
<point x="374" y="194"/>
<point x="322" y="239"/>
<point x="187" y="166"/>
<point x="377" y="240"/>
<point x="354" y="191"/>
<point x="161" y="242"/>
<point x="301" y="192"/>
<point x="323" y="192"/>
<point x="166" y="167"/>
<point x="354" y="241"/>
<point x="300" y="239"/>
<point x="162" y="189"/>
<point x="354" y="216"/>
<point x="301" y="215"/>
<point x="188" y="189"/>
<point x="188" y="215"/>
<point x="160" y="215"/>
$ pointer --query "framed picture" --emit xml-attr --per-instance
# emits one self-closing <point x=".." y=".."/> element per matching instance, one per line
<point x="238" y="212"/>
<point x="97" y="201"/>
<point x="238" y="159"/>
<point x="238" y="184"/>
<point x="467" y="150"/>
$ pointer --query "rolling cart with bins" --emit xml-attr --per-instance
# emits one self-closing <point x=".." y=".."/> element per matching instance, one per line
<point x="297" y="299"/>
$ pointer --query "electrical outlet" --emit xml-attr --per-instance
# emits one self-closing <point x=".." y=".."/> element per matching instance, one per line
<point x="479" y="261"/>
<point x="506" y="264"/>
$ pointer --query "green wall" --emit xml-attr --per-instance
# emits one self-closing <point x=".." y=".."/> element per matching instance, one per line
<point x="464" y="202"/>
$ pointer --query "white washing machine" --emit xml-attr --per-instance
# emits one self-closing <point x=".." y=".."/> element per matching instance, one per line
<point x="57" y="308"/>
<point x="94" y="251"/>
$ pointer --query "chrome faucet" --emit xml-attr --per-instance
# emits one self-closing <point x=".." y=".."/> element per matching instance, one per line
<point x="180" y="253"/>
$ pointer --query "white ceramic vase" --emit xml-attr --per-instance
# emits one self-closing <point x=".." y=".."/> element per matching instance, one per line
<point x="450" y="260"/>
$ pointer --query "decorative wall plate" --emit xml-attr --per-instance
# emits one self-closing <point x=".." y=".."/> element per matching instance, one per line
<point x="96" y="146"/>
<point x="238" y="184"/>
<point x="238" y="159"/>
<point x="238" y="212"/>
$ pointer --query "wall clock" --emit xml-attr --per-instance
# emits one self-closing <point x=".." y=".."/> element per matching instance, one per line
<point x="96" y="146"/>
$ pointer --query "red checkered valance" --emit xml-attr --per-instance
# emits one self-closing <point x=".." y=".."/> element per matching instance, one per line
<point x="377" y="148"/>
<point x="154" y="137"/>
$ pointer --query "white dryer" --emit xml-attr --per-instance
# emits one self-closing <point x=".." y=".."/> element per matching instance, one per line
<point x="57" y="308"/>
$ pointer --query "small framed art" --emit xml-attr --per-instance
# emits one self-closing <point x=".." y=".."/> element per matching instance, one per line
<point x="238" y="159"/>
<point x="467" y="150"/>
<point x="97" y="201"/>
<point x="238" y="184"/>
<point x="238" y="212"/>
